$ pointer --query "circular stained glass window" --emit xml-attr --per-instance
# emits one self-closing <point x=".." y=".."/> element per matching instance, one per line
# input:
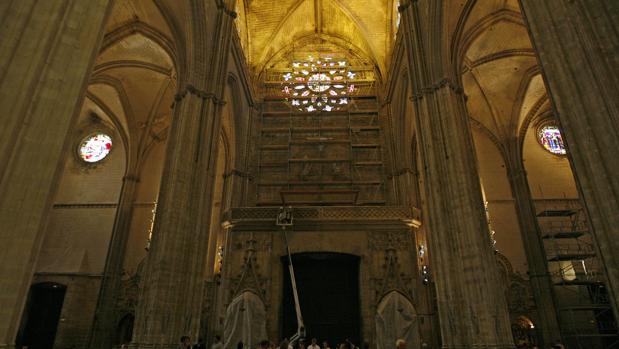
<point x="95" y="147"/>
<point x="550" y="138"/>
<point x="319" y="82"/>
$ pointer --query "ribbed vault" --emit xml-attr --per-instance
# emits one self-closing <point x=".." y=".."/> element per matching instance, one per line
<point x="367" y="26"/>
<point x="498" y="68"/>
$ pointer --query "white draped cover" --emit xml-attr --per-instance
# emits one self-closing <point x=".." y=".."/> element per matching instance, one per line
<point x="396" y="318"/>
<point x="245" y="321"/>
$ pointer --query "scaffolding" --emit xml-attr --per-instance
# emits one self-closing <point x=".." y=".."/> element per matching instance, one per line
<point x="585" y="313"/>
<point x="320" y="157"/>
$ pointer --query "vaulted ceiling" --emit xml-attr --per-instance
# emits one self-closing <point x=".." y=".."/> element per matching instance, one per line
<point x="269" y="27"/>
<point x="500" y="74"/>
<point x="134" y="78"/>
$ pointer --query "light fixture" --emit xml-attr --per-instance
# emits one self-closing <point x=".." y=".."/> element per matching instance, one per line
<point x="425" y="274"/>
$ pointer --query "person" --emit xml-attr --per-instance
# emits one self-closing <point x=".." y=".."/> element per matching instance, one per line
<point x="264" y="344"/>
<point x="314" y="345"/>
<point x="558" y="345"/>
<point x="284" y="344"/>
<point x="400" y="344"/>
<point x="325" y="345"/>
<point x="350" y="344"/>
<point x="218" y="344"/>
<point x="200" y="344"/>
<point x="239" y="345"/>
<point x="185" y="343"/>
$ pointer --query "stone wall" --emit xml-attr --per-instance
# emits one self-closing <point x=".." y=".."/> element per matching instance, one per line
<point x="386" y="250"/>
<point x="78" y="307"/>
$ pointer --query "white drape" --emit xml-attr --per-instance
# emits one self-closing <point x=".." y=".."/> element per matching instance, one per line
<point x="396" y="318"/>
<point x="245" y="321"/>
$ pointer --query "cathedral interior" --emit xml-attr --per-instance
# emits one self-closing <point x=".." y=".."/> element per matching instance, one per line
<point x="438" y="171"/>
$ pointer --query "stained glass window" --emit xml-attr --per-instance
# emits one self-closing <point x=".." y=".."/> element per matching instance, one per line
<point x="95" y="147"/>
<point x="550" y="138"/>
<point x="321" y="84"/>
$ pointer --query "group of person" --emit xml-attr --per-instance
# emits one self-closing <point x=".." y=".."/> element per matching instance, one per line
<point x="284" y="344"/>
<point x="556" y="345"/>
<point x="300" y="344"/>
<point x="186" y="343"/>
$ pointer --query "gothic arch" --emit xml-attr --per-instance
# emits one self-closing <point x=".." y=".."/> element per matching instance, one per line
<point x="124" y="329"/>
<point x="536" y="113"/>
<point x="151" y="33"/>
<point x="396" y="318"/>
<point x="339" y="42"/>
<point x="236" y="108"/>
<point x="462" y="41"/>
<point x="116" y="120"/>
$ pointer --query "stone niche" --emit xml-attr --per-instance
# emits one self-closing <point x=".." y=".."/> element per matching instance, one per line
<point x="381" y="238"/>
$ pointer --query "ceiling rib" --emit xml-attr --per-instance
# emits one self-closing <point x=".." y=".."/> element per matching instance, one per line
<point x="318" y="16"/>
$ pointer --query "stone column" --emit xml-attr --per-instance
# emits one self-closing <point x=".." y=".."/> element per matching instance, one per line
<point x="170" y="301"/>
<point x="46" y="55"/>
<point x="104" y="327"/>
<point x="472" y="306"/>
<point x="250" y="196"/>
<point x="539" y="278"/>
<point x="578" y="49"/>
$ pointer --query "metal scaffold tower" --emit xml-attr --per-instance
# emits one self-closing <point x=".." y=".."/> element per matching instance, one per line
<point x="585" y="313"/>
<point x="325" y="150"/>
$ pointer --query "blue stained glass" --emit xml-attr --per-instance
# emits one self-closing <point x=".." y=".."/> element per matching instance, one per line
<point x="550" y="138"/>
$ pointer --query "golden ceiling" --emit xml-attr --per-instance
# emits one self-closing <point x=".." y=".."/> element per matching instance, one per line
<point x="270" y="28"/>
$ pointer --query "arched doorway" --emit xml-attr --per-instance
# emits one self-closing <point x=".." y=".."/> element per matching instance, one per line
<point x="328" y="287"/>
<point x="124" y="331"/>
<point x="41" y="316"/>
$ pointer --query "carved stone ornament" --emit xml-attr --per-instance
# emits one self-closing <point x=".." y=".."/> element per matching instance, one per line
<point x="261" y="242"/>
<point x="392" y="279"/>
<point x="399" y="240"/>
<point x="249" y="278"/>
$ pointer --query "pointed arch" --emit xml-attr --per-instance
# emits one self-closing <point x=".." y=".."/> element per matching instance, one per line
<point x="396" y="318"/>
<point x="151" y="33"/>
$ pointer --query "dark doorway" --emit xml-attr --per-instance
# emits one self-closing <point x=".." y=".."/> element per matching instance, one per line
<point x="124" y="331"/>
<point x="41" y="316"/>
<point x="328" y="287"/>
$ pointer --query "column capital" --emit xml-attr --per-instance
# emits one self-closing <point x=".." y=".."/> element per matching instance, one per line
<point x="431" y="88"/>
<point x="130" y="177"/>
<point x="205" y="95"/>
<point x="221" y="6"/>
<point x="404" y="6"/>
<point x="238" y="173"/>
<point x="401" y="171"/>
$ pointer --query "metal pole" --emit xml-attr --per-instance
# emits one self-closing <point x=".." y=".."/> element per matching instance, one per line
<point x="300" y="325"/>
